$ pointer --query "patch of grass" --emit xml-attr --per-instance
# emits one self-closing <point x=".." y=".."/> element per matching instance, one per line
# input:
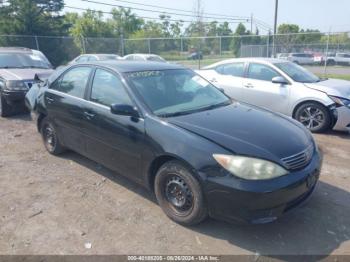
<point x="344" y="77"/>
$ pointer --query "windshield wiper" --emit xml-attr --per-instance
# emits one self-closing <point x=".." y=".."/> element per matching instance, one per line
<point x="40" y="67"/>
<point x="181" y="113"/>
<point x="226" y="103"/>
<point x="321" y="79"/>
<point x="9" y="67"/>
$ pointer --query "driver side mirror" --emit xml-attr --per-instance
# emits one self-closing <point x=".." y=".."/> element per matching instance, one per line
<point x="124" y="110"/>
<point x="280" y="80"/>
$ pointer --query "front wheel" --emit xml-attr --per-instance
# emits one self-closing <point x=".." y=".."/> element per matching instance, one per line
<point x="179" y="194"/>
<point x="50" y="138"/>
<point x="313" y="116"/>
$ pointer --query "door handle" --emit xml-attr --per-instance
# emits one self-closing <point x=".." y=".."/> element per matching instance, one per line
<point x="89" y="115"/>
<point x="50" y="100"/>
<point x="249" y="85"/>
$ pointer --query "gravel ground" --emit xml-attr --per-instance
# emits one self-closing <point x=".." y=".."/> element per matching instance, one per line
<point x="72" y="205"/>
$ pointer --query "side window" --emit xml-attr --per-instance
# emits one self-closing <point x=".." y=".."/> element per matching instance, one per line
<point x="234" y="69"/>
<point x="130" y="57"/>
<point x="107" y="89"/>
<point x="73" y="82"/>
<point x="138" y="58"/>
<point x="261" y="72"/>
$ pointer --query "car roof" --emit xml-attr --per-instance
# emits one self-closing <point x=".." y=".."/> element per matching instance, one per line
<point x="17" y="50"/>
<point x="140" y="54"/>
<point x="123" y="66"/>
<point x="265" y="60"/>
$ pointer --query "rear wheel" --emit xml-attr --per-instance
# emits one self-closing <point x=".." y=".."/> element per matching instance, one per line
<point x="179" y="194"/>
<point x="313" y="116"/>
<point x="5" y="108"/>
<point x="50" y="138"/>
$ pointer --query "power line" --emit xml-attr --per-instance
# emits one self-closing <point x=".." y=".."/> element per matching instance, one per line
<point x="145" y="17"/>
<point x="169" y="13"/>
<point x="181" y="10"/>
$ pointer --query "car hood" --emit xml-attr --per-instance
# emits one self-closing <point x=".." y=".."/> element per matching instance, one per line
<point x="22" y="74"/>
<point x="247" y="130"/>
<point x="334" y="87"/>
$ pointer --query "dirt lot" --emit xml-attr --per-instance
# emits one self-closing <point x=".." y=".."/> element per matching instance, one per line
<point x="55" y="205"/>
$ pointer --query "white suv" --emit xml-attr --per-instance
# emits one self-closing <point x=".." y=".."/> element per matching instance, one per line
<point x="301" y="58"/>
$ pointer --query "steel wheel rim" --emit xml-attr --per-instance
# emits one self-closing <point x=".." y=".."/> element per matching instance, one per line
<point x="312" y="117"/>
<point x="50" y="138"/>
<point x="178" y="194"/>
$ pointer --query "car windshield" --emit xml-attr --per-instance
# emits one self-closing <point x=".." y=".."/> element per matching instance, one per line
<point x="13" y="60"/>
<point x="176" y="92"/>
<point x="298" y="73"/>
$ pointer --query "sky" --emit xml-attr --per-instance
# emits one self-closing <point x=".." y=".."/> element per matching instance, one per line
<point x="325" y="15"/>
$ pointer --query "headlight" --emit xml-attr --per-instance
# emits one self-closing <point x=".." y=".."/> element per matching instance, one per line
<point x="250" y="168"/>
<point x="16" y="85"/>
<point x="340" y="101"/>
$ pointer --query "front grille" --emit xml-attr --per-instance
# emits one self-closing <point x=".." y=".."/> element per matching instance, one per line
<point x="299" y="160"/>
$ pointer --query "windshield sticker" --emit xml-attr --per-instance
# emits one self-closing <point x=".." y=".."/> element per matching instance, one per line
<point x="145" y="74"/>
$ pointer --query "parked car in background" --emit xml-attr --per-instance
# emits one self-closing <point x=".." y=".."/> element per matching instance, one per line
<point x="284" y="87"/>
<point x="173" y="132"/>
<point x="18" y="67"/>
<point x="282" y="55"/>
<point x="144" y="57"/>
<point x="94" y="57"/>
<point x="195" y="56"/>
<point x="300" y="58"/>
<point x="339" y="59"/>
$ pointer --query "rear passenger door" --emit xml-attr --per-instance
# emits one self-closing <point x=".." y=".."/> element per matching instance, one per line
<point x="116" y="141"/>
<point x="65" y="106"/>
<point x="230" y="78"/>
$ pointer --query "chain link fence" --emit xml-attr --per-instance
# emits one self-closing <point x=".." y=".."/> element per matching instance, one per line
<point x="194" y="52"/>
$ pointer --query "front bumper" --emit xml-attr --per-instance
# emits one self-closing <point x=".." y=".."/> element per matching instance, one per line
<point x="343" y="119"/>
<point x="236" y="200"/>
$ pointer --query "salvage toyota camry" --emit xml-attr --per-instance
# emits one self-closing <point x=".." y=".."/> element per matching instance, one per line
<point x="170" y="130"/>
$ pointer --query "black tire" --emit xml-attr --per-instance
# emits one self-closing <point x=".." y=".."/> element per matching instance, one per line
<point x="314" y="116"/>
<point x="179" y="194"/>
<point x="5" y="108"/>
<point x="50" y="138"/>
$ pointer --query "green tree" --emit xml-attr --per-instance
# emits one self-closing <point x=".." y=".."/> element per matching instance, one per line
<point x="92" y="34"/>
<point x="239" y="39"/>
<point x="124" y="22"/>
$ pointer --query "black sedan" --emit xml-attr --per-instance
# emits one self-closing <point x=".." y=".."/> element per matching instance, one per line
<point x="172" y="131"/>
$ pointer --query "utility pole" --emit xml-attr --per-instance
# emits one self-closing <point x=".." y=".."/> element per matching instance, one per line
<point x="275" y="29"/>
<point x="251" y="23"/>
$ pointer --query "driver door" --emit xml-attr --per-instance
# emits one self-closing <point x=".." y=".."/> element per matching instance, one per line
<point x="260" y="91"/>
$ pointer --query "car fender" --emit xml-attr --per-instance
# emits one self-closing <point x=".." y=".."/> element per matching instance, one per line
<point x="301" y="94"/>
<point x="190" y="155"/>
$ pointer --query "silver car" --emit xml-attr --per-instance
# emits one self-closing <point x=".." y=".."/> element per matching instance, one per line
<point x="285" y="87"/>
<point x="18" y="67"/>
